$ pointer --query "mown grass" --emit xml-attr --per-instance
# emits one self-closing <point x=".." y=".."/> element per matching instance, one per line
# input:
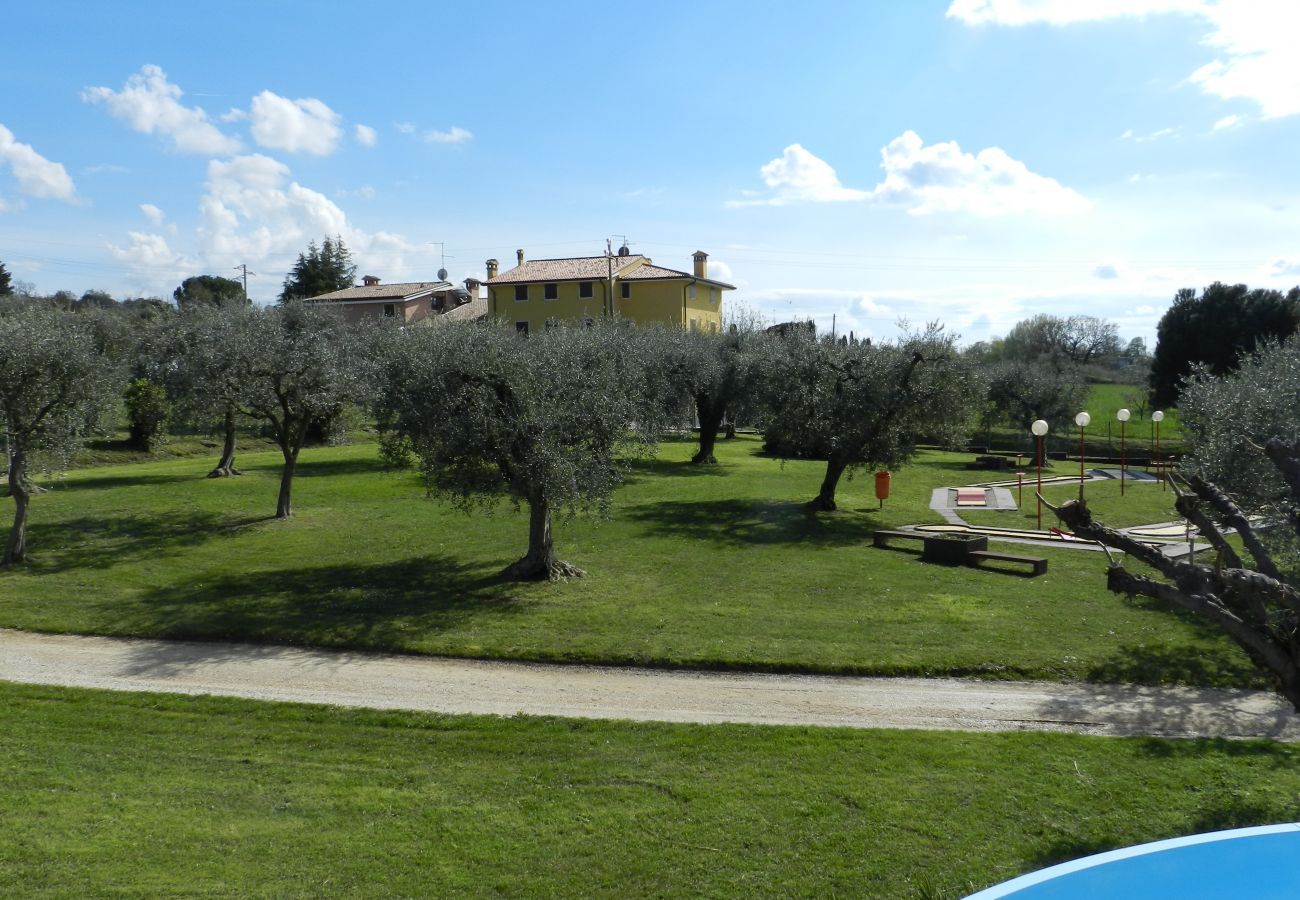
<point x="154" y="795"/>
<point x="1102" y="437"/>
<point x="702" y="567"/>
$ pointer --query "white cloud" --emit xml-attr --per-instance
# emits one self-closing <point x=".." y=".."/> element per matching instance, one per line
<point x="1258" y="39"/>
<point x="942" y="178"/>
<point x="1129" y="135"/>
<point x="405" y="127"/>
<point x="1105" y="270"/>
<point x="1061" y="12"/>
<point x="298" y="126"/>
<point x="152" y="213"/>
<point x="36" y="175"/>
<point x="366" y="136"/>
<point x="1281" y="268"/>
<point x="148" y="251"/>
<point x="1255" y="37"/>
<point x="365" y="192"/>
<point x="234" y="114"/>
<point x="1227" y="122"/>
<point x="720" y="271"/>
<point x="105" y="169"/>
<point x="454" y="135"/>
<point x="149" y="103"/>
<point x="937" y="178"/>
<point x="797" y="176"/>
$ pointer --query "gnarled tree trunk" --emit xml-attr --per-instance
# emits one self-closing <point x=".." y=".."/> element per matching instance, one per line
<point x="16" y="545"/>
<point x="226" y="467"/>
<point x="836" y="463"/>
<point x="540" y="562"/>
<point x="711" y="415"/>
<point x="284" y="506"/>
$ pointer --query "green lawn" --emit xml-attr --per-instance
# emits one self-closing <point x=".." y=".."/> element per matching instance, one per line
<point x="149" y="795"/>
<point x="716" y="567"/>
<point x="1103" y="434"/>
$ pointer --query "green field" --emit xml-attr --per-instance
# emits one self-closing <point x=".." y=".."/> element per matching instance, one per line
<point x="150" y="795"/>
<point x="700" y="567"/>
<point x="1102" y="437"/>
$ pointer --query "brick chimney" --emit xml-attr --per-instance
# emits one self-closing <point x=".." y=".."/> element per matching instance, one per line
<point x="492" y="265"/>
<point x="370" y="280"/>
<point x="701" y="263"/>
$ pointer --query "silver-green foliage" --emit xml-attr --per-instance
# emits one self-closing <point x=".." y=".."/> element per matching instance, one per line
<point x="57" y="381"/>
<point x="549" y="420"/>
<point x="1227" y="419"/>
<point x="867" y="405"/>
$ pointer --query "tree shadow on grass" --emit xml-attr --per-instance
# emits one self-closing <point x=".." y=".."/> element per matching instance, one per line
<point x="1164" y="664"/>
<point x="639" y="468"/>
<point x="1230" y="809"/>
<point x="747" y="522"/>
<point x="122" y="479"/>
<point x="96" y="542"/>
<point x="312" y="468"/>
<point x="382" y="606"/>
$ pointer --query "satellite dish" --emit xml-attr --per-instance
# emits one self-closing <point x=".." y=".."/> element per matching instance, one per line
<point x="442" y="274"/>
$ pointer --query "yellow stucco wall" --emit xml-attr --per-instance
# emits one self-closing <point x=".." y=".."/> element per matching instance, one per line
<point x="666" y="302"/>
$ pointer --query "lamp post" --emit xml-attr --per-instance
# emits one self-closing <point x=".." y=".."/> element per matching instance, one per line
<point x="1082" y="420"/>
<point x="1038" y="429"/>
<point x="1157" y="417"/>
<point x="1122" y="415"/>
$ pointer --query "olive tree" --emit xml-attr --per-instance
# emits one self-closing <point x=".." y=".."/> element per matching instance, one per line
<point x="717" y="372"/>
<point x="56" y="380"/>
<point x="290" y="365"/>
<point x="1242" y="475"/>
<point x="1020" y="391"/>
<point x="549" y="420"/>
<point x="865" y="405"/>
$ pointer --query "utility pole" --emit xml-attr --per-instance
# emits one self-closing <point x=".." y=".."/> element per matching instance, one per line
<point x="243" y="267"/>
<point x="609" y="279"/>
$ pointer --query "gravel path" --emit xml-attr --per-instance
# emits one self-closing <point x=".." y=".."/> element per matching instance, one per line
<point x="502" y="688"/>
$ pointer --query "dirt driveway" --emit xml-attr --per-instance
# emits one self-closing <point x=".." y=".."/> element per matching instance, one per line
<point x="382" y="681"/>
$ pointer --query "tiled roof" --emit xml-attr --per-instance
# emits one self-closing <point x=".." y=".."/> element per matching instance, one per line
<point x="395" y="291"/>
<point x="578" y="268"/>
<point x="651" y="273"/>
<point x="474" y="309"/>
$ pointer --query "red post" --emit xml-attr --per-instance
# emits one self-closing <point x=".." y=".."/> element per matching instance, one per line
<point x="1080" y="462"/>
<point x="1123" y="457"/>
<point x="1040" y="482"/>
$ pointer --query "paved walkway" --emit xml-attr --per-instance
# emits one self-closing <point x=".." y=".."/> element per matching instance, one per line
<point x="501" y="688"/>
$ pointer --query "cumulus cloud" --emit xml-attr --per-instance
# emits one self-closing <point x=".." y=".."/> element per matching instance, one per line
<point x="453" y="135"/>
<point x="797" y="176"/>
<point x="152" y="213"/>
<point x="1255" y="39"/>
<point x="1130" y="135"/>
<point x="923" y="179"/>
<point x="1281" y="268"/>
<point x="298" y="126"/>
<point x="366" y="136"/>
<point x="1227" y="122"/>
<point x="943" y="178"/>
<point x="720" y="271"/>
<point x="36" y="175"/>
<point x="150" y="103"/>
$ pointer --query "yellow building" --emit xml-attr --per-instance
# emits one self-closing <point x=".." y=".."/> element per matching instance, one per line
<point x="539" y="293"/>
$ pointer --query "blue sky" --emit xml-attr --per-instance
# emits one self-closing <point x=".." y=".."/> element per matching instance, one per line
<point x="972" y="161"/>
